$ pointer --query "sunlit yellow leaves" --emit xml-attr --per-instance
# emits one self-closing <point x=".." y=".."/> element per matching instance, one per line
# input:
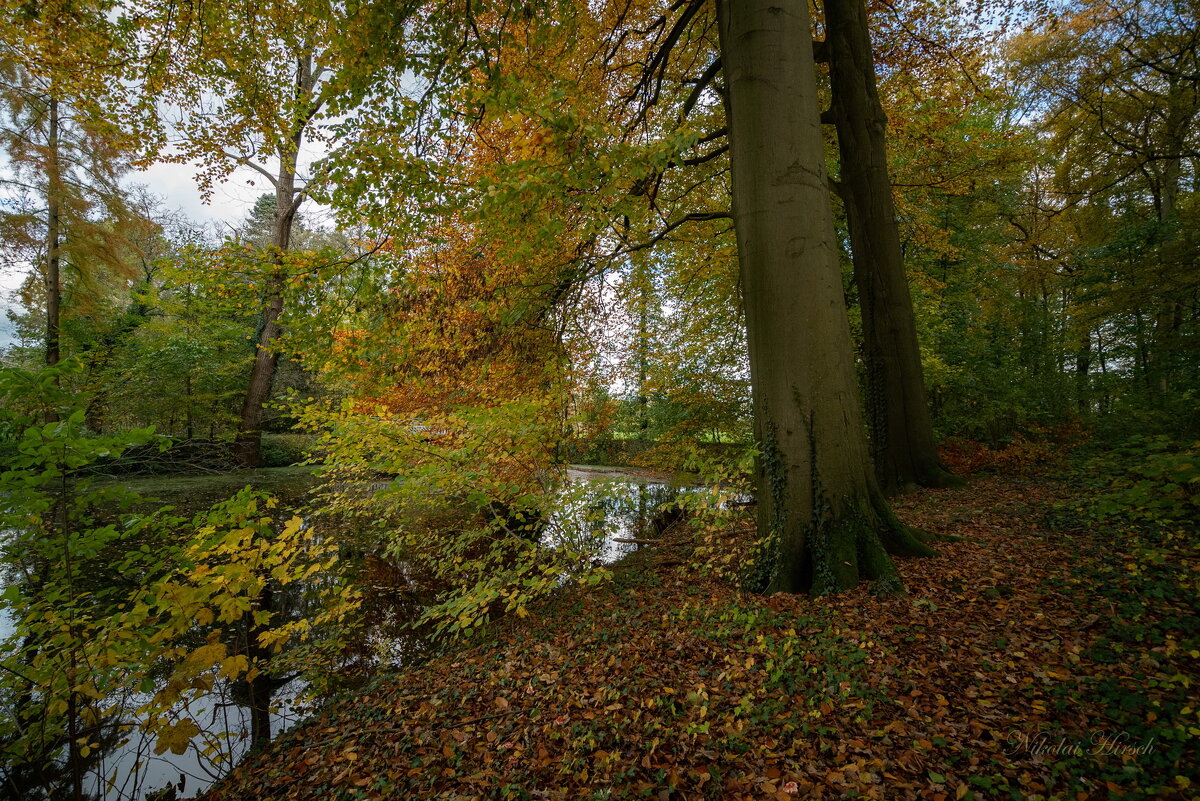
<point x="237" y="539"/>
<point x="234" y="666"/>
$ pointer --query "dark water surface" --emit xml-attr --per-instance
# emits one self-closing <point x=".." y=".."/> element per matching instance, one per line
<point x="600" y="510"/>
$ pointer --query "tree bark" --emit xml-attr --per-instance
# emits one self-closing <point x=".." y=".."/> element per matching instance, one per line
<point x="824" y="522"/>
<point x="248" y="445"/>
<point x="53" y="239"/>
<point x="247" y="448"/>
<point x="257" y="694"/>
<point x="644" y="298"/>
<point x="261" y="689"/>
<point x="1083" y="381"/>
<point x="901" y="430"/>
<point x="1179" y="116"/>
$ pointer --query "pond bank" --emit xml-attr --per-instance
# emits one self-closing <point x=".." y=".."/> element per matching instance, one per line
<point x="667" y="683"/>
<point x="609" y="510"/>
<point x="298" y="478"/>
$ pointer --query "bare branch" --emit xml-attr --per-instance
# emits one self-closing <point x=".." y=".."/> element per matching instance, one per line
<point x="663" y="234"/>
<point x="701" y="84"/>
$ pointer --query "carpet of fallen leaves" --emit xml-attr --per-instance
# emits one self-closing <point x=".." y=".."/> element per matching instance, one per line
<point x="1005" y="672"/>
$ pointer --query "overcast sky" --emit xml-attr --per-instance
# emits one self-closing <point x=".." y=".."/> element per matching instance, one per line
<point x="176" y="185"/>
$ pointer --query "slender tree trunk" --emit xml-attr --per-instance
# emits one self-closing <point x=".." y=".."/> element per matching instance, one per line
<point x="74" y="753"/>
<point x="261" y="688"/>
<point x="1141" y="361"/>
<point x="902" y="444"/>
<point x="248" y="445"/>
<point x="825" y="523"/>
<point x="53" y="238"/>
<point x="188" y="411"/>
<point x="62" y="521"/>
<point x="1083" y="382"/>
<point x="643" y="341"/>
<point x="1105" y="397"/>
<point x="1180" y="115"/>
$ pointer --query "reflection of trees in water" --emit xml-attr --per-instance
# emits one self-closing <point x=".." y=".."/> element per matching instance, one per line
<point x="42" y="748"/>
<point x="43" y="772"/>
<point x="136" y="769"/>
<point x="119" y="760"/>
<point x="587" y="516"/>
<point x="591" y="514"/>
<point x="394" y="596"/>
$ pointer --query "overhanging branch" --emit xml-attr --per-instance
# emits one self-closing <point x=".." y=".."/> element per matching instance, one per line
<point x="701" y="84"/>
<point x="703" y="216"/>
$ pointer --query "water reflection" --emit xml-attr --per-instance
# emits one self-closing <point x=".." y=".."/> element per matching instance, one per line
<point x="608" y="514"/>
<point x="128" y="770"/>
<point x="603" y="514"/>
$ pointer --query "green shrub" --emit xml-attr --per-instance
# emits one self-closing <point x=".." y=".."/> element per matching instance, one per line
<point x="282" y="450"/>
<point x="1147" y="480"/>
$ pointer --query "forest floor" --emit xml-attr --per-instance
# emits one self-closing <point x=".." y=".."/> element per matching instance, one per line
<point x="1036" y="658"/>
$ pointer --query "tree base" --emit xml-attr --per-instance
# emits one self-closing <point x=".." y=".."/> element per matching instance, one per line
<point x="934" y="536"/>
<point x="928" y="476"/>
<point x="840" y="553"/>
<point x="941" y="478"/>
<point x="247" y="449"/>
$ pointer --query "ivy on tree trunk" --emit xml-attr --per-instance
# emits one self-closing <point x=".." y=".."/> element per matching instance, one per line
<point x="901" y="430"/>
<point x="821" y="514"/>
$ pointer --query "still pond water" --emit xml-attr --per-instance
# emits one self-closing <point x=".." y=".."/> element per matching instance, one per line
<point x="602" y="506"/>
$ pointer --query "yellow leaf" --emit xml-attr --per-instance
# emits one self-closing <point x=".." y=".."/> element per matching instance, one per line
<point x="176" y="738"/>
<point x="206" y="655"/>
<point x="234" y="665"/>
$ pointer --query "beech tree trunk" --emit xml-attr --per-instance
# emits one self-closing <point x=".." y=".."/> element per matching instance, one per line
<point x="825" y="523"/>
<point x="901" y="431"/>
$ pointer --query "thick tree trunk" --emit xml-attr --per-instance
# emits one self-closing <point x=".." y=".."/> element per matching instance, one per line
<point x="902" y="444"/>
<point x="825" y="523"/>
